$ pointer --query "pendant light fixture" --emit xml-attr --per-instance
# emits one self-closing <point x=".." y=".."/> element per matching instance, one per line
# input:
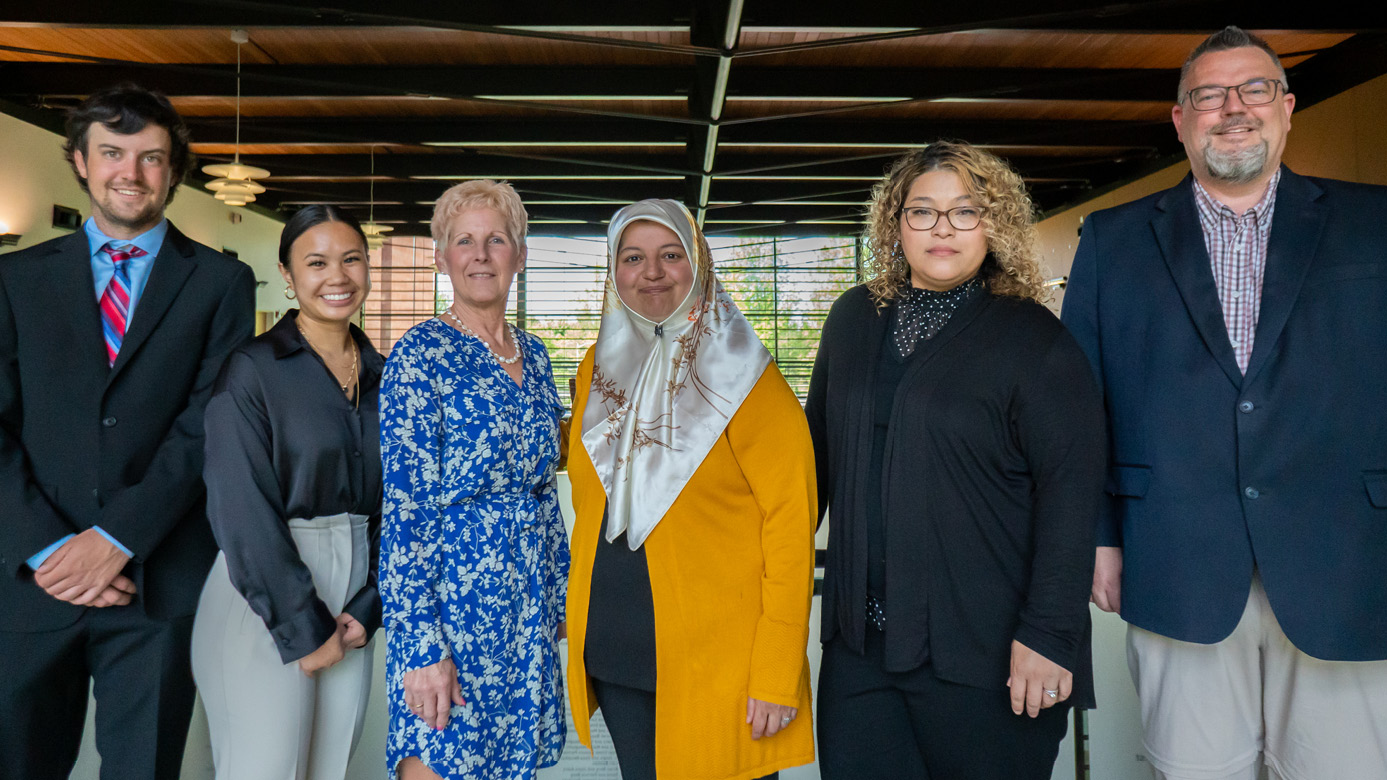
<point x="375" y="234"/>
<point x="235" y="184"/>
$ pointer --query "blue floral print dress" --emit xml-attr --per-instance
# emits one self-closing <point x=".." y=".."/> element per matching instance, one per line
<point x="473" y="551"/>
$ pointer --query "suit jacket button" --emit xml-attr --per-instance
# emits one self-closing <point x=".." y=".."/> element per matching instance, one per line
<point x="109" y="422"/>
<point x="1246" y="406"/>
<point x="96" y="492"/>
<point x="1251" y="492"/>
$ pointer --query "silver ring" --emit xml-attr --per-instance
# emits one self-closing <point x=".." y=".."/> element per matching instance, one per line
<point x="785" y="721"/>
<point x="1052" y="694"/>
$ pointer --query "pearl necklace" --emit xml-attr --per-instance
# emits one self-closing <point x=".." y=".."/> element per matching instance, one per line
<point x="506" y="360"/>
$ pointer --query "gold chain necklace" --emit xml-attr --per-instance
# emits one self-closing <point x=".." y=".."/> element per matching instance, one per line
<point x="355" y="380"/>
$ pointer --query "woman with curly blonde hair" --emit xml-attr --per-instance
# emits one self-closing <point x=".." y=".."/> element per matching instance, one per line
<point x="959" y="444"/>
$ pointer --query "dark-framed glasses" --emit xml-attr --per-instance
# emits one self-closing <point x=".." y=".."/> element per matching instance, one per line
<point x="961" y="217"/>
<point x="1257" y="92"/>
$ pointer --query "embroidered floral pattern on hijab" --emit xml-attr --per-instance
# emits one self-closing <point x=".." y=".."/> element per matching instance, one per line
<point x="663" y="392"/>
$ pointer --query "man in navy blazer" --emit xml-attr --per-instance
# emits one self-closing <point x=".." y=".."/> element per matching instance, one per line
<point x="1238" y="326"/>
<point x="110" y="340"/>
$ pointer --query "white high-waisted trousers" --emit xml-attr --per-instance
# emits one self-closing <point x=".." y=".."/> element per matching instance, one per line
<point x="268" y="720"/>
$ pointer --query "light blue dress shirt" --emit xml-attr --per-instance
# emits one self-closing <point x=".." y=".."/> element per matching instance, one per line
<point x="103" y="268"/>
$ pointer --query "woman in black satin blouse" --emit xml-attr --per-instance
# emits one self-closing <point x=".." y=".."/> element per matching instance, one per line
<point x="959" y="443"/>
<point x="281" y="643"/>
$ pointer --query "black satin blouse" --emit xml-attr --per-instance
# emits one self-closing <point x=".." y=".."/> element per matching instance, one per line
<point x="284" y="441"/>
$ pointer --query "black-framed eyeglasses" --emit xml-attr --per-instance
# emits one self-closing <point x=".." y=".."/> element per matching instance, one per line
<point x="1257" y="92"/>
<point x="961" y="217"/>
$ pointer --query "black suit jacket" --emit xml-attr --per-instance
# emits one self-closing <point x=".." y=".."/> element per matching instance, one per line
<point x="83" y="443"/>
<point x="990" y="486"/>
<point x="1213" y="472"/>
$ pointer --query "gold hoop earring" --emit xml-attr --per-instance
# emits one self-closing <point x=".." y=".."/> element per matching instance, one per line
<point x="289" y="292"/>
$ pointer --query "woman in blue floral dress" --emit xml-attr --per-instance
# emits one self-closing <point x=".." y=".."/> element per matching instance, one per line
<point x="474" y="554"/>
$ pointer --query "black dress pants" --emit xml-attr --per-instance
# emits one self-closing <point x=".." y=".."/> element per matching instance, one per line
<point x="879" y="724"/>
<point x="630" y="717"/>
<point x="142" y="681"/>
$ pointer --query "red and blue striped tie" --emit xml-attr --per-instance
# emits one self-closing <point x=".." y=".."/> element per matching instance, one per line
<point x="115" y="301"/>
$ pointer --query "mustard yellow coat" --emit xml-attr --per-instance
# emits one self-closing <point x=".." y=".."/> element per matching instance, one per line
<point x="731" y="575"/>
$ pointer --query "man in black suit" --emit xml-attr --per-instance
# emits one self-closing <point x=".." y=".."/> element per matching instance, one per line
<point x="110" y="340"/>
<point x="1238" y="327"/>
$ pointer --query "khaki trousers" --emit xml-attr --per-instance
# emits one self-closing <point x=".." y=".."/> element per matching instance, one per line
<point x="268" y="720"/>
<point x="1226" y="711"/>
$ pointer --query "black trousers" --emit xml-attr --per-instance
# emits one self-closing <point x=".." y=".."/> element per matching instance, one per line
<point x="140" y="675"/>
<point x="874" y="723"/>
<point x="630" y="717"/>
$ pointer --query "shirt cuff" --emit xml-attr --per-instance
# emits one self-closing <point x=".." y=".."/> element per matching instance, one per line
<point x="38" y="558"/>
<point x="112" y="540"/>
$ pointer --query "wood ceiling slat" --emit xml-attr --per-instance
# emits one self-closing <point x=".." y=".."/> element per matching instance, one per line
<point x="985" y="108"/>
<point x="405" y="107"/>
<point x="337" y="46"/>
<point x="329" y="148"/>
<point x="1020" y="49"/>
<point x="313" y="121"/>
<point x="655" y="14"/>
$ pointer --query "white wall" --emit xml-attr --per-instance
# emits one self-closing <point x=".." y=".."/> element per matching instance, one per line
<point x="35" y="177"/>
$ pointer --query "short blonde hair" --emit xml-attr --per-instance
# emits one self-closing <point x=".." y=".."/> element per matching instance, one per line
<point x="1012" y="267"/>
<point x="480" y="194"/>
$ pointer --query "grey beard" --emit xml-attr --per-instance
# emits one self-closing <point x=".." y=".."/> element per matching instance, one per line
<point x="1236" y="167"/>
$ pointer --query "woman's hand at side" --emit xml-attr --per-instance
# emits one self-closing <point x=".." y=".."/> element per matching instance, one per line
<point x="431" y="691"/>
<point x="766" y="719"/>
<point x="1032" y="674"/>
<point x="329" y="653"/>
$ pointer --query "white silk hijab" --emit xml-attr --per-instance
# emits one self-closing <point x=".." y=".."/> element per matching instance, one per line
<point x="663" y="392"/>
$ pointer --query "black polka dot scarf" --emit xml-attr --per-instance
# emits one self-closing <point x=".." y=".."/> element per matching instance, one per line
<point x="921" y="314"/>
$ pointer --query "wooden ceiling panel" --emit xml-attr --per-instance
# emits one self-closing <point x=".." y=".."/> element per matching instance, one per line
<point x="963" y="108"/>
<point x="340" y="46"/>
<point x="412" y="107"/>
<point x="251" y="150"/>
<point x="1025" y="49"/>
<point x="580" y="111"/>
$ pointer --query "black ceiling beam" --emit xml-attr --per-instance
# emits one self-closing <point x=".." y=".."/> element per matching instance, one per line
<point x="341" y="13"/>
<point x="175" y="80"/>
<point x="935" y="83"/>
<point x="401" y="166"/>
<point x="1085" y="15"/>
<point x="717" y="24"/>
<point x="982" y="131"/>
<point x="290" y="130"/>
<point x="808" y="83"/>
<point x="1357" y="60"/>
<point x="405" y="166"/>
<point x="1205" y="16"/>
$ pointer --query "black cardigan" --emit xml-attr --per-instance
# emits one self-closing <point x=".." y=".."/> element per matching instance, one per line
<point x="994" y="467"/>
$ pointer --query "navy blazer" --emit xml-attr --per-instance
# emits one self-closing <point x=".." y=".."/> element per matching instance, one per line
<point x="83" y="443"/>
<point x="1213" y="473"/>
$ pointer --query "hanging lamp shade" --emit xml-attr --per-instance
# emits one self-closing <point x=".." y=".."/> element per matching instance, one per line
<point x="375" y="234"/>
<point x="235" y="183"/>
<point x="235" y="170"/>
